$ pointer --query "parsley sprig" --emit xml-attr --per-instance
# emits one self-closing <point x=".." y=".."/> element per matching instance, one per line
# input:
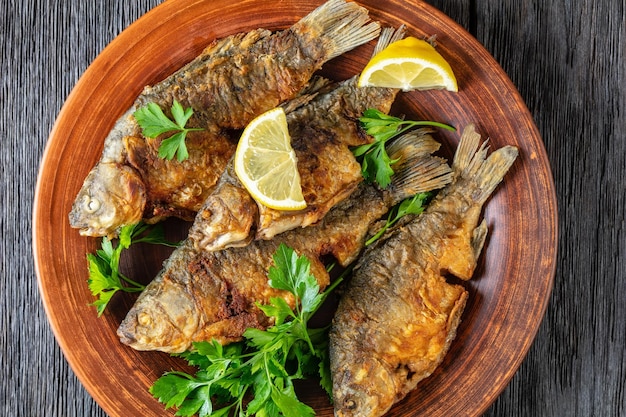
<point x="266" y="363"/>
<point x="375" y="162"/>
<point x="154" y="122"/>
<point x="411" y="205"/>
<point x="256" y="376"/>
<point x="105" y="278"/>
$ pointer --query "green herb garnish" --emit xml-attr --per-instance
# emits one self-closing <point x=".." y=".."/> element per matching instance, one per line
<point x="105" y="278"/>
<point x="263" y="366"/>
<point x="375" y="162"/>
<point x="411" y="205"/>
<point x="154" y="122"/>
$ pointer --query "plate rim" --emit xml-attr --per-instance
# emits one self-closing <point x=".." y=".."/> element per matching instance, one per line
<point x="49" y="158"/>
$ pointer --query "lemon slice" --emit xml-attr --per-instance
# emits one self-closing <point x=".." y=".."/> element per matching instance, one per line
<point x="266" y="164"/>
<point x="409" y="64"/>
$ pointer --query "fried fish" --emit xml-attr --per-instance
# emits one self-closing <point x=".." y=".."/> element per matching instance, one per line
<point x="231" y="82"/>
<point x="322" y="132"/>
<point x="398" y="315"/>
<point x="201" y="295"/>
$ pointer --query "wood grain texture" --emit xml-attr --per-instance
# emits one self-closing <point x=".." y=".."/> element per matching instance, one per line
<point x="45" y="47"/>
<point x="567" y="60"/>
<point x="510" y="290"/>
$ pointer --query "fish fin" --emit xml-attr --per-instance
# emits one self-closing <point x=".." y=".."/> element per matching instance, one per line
<point x="417" y="170"/>
<point x="467" y="150"/>
<point x="471" y="163"/>
<point x="478" y="238"/>
<point x="308" y="93"/>
<point x="342" y="26"/>
<point x="316" y="84"/>
<point x="460" y="255"/>
<point x="389" y="35"/>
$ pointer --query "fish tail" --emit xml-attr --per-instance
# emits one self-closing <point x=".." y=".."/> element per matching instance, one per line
<point x="389" y="35"/>
<point x="416" y="169"/>
<point x="343" y="26"/>
<point x="471" y="163"/>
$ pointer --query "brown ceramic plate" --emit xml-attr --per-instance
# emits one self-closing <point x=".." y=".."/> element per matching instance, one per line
<point x="510" y="289"/>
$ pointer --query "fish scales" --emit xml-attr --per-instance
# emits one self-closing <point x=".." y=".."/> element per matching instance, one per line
<point x="399" y="315"/>
<point x="200" y="295"/>
<point x="234" y="80"/>
<point x="178" y="189"/>
<point x="322" y="132"/>
<point x="225" y="89"/>
<point x="183" y="191"/>
<point x="206" y="297"/>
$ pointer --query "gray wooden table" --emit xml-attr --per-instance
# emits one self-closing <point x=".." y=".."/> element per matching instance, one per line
<point x="567" y="59"/>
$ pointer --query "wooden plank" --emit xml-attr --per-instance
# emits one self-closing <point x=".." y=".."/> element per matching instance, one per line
<point x="567" y="60"/>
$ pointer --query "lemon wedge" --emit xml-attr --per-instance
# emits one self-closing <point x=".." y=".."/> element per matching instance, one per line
<point x="266" y="164"/>
<point x="409" y="64"/>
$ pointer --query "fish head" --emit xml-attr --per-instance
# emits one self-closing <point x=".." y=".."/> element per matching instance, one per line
<point x="226" y="218"/>
<point x="163" y="320"/>
<point x="363" y="387"/>
<point x="112" y="195"/>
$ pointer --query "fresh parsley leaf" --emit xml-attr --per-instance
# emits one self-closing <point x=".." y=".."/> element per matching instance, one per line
<point x="265" y="365"/>
<point x="154" y="122"/>
<point x="174" y="388"/>
<point x="279" y="309"/>
<point x="292" y="273"/>
<point x="199" y="403"/>
<point x="411" y="205"/>
<point x="181" y="116"/>
<point x="152" y="234"/>
<point x="375" y="162"/>
<point x="105" y="279"/>
<point x="289" y="405"/>
<point x="173" y="145"/>
<point x="101" y="284"/>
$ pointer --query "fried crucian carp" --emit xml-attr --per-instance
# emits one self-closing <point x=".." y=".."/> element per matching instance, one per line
<point x="322" y="132"/>
<point x="199" y="295"/>
<point x="398" y="315"/>
<point x="234" y="80"/>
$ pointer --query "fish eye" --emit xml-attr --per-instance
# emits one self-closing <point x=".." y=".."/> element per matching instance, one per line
<point x="350" y="404"/>
<point x="91" y="205"/>
<point x="144" y="319"/>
